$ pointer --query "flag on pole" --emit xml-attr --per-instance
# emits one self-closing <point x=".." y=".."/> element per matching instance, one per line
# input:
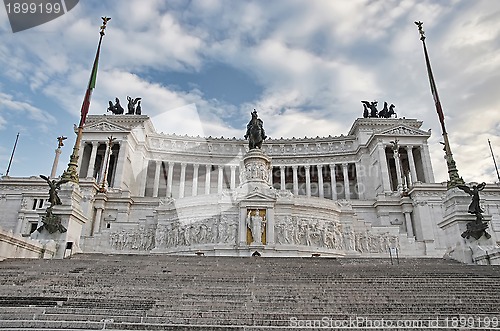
<point x="434" y="91"/>
<point x="90" y="88"/>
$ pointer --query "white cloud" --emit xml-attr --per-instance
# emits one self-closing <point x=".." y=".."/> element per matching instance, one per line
<point x="3" y="122"/>
<point x="7" y="103"/>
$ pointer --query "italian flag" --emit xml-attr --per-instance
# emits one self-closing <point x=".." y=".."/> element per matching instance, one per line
<point x="90" y="88"/>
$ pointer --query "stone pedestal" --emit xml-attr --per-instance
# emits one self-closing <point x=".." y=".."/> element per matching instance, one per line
<point x="72" y="219"/>
<point x="255" y="194"/>
<point x="466" y="250"/>
<point x="256" y="171"/>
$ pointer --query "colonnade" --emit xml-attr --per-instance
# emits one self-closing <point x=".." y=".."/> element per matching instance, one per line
<point x="331" y="181"/>
<point x="93" y="156"/>
<point x="404" y="166"/>
<point x="179" y="180"/>
<point x="398" y="168"/>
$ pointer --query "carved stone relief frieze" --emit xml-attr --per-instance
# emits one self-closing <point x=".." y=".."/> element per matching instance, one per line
<point x="369" y="242"/>
<point x="294" y="230"/>
<point x="221" y="229"/>
<point x="257" y="170"/>
<point x="139" y="239"/>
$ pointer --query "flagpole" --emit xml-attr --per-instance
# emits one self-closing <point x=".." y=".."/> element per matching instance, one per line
<point x="494" y="161"/>
<point x="455" y="178"/>
<point x="71" y="172"/>
<point x="12" y="155"/>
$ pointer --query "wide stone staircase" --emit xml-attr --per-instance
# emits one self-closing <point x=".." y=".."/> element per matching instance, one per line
<point x="155" y="292"/>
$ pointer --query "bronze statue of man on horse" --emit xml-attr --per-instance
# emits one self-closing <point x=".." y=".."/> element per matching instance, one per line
<point x="255" y="132"/>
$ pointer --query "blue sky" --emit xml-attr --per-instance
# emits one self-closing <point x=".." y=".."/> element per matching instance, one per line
<point x="304" y="65"/>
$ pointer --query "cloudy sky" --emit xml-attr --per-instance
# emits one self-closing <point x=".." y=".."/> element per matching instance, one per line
<point x="305" y="65"/>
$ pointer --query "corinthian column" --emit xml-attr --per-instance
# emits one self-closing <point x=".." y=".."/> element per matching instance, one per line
<point x="308" y="180"/>
<point x="347" y="189"/>
<point x="333" y="182"/>
<point x="295" y="181"/>
<point x="183" y="180"/>
<point x="194" y="190"/>
<point x="320" y="180"/>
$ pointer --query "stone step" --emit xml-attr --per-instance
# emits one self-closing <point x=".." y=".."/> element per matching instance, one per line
<point x="233" y="317"/>
<point x="191" y="293"/>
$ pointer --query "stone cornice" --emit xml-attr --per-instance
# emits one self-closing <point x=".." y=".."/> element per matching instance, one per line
<point x="127" y="122"/>
<point x="381" y="124"/>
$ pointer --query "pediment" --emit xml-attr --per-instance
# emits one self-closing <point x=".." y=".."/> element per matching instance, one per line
<point x="258" y="196"/>
<point x="255" y="194"/>
<point x="105" y="127"/>
<point x="402" y="130"/>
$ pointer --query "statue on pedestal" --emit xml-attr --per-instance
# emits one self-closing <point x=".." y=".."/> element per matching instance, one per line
<point x="255" y="132"/>
<point x="54" y="186"/>
<point x="478" y="227"/>
<point x="51" y="222"/>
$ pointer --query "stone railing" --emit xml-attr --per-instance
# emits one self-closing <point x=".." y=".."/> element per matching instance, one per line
<point x="15" y="246"/>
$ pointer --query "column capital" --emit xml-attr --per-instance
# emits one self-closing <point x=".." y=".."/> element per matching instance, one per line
<point x="282" y="167"/>
<point x="295" y="167"/>
<point x="344" y="165"/>
<point x="233" y="167"/>
<point x="332" y="165"/>
<point x="208" y="166"/>
<point x="307" y="167"/>
<point x="319" y="166"/>
<point x="409" y="147"/>
<point x="171" y="163"/>
<point x="183" y="164"/>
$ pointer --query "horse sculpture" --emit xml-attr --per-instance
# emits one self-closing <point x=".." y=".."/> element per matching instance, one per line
<point x="116" y="109"/>
<point x="370" y="110"/>
<point x="391" y="111"/>
<point x="255" y="132"/>
<point x="372" y="106"/>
